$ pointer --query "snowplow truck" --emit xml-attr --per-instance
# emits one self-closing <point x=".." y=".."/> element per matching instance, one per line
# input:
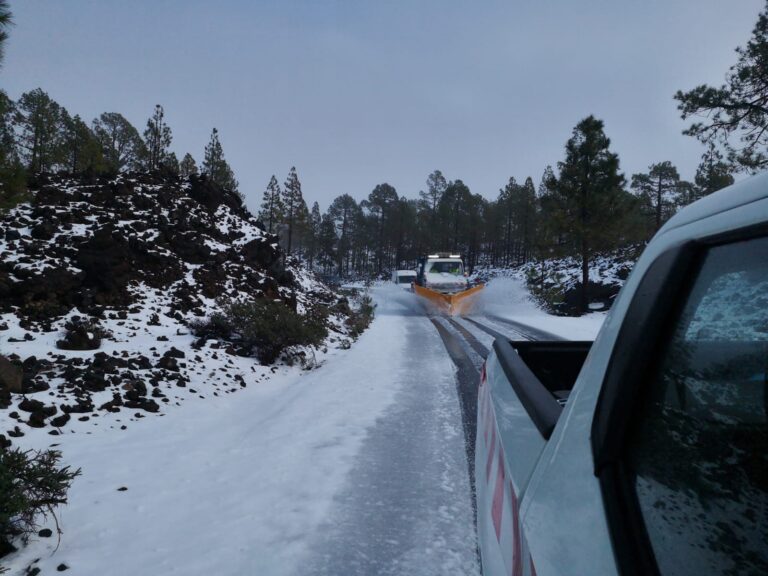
<point x="442" y="280"/>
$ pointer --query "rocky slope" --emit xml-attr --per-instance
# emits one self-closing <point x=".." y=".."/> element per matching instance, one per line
<point x="99" y="281"/>
<point x="556" y="282"/>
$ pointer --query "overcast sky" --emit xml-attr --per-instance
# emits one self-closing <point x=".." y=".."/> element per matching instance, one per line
<point x="355" y="93"/>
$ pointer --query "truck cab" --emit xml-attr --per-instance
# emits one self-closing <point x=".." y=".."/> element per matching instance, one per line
<point x="652" y="456"/>
<point x="442" y="272"/>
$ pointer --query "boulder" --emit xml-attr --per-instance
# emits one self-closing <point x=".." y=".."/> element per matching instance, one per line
<point x="11" y="376"/>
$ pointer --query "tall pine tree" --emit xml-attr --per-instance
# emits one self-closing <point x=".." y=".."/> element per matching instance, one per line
<point x="713" y="173"/>
<point x="272" y="209"/>
<point x="315" y="221"/>
<point x="6" y="21"/>
<point x="82" y="147"/>
<point x="121" y="144"/>
<point x="589" y="200"/>
<point x="293" y="200"/>
<point x="187" y="166"/>
<point x="42" y="132"/>
<point x="735" y="114"/>
<point x="215" y="166"/>
<point x="659" y="192"/>
<point x="157" y="139"/>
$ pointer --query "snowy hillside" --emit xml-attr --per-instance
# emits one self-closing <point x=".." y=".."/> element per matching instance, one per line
<point x="99" y="282"/>
<point x="556" y="282"/>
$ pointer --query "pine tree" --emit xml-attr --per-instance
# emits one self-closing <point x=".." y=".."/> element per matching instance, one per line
<point x="712" y="174"/>
<point x="157" y="138"/>
<point x="42" y="131"/>
<point x="589" y="201"/>
<point x="216" y="167"/>
<point x="82" y="147"/>
<point x="121" y="145"/>
<point x="171" y="164"/>
<point x="301" y="233"/>
<point x="315" y="221"/>
<point x="436" y="186"/>
<point x="326" y="241"/>
<point x="272" y="209"/>
<point x="292" y="203"/>
<point x="380" y="203"/>
<point x="12" y="173"/>
<point x="659" y="191"/>
<point x="736" y="113"/>
<point x="6" y="21"/>
<point x="345" y="214"/>
<point x="8" y="152"/>
<point x="187" y="166"/>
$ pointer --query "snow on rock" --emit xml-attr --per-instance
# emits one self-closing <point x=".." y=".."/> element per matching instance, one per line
<point x="556" y="282"/>
<point x="99" y="280"/>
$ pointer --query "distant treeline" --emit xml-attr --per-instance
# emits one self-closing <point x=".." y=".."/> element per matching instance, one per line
<point x="37" y="134"/>
<point x="584" y="206"/>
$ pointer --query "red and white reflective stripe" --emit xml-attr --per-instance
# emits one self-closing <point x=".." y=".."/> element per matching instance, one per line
<point x="504" y="518"/>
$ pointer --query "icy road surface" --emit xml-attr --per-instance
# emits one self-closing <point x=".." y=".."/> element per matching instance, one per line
<point x="406" y="507"/>
<point x="355" y="468"/>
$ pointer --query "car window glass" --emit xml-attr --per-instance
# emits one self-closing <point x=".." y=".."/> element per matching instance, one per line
<point x="699" y="451"/>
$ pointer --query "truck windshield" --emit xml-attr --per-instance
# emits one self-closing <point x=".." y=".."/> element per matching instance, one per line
<point x="454" y="268"/>
<point x="406" y="279"/>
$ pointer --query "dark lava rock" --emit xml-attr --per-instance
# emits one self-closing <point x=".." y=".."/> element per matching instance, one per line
<point x="168" y="363"/>
<point x="175" y="353"/>
<point x="81" y="335"/>
<point x="37" y="420"/>
<point x="44" y="231"/>
<point x="31" y="405"/>
<point x="60" y="421"/>
<point x="143" y="404"/>
<point x="10" y="375"/>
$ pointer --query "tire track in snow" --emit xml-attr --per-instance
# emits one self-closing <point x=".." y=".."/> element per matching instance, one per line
<point x="407" y="507"/>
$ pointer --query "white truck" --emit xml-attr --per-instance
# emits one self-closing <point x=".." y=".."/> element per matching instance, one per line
<point x="442" y="272"/>
<point x="652" y="456"/>
<point x="404" y="278"/>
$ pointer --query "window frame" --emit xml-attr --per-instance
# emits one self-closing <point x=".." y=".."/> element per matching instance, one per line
<point x="646" y="330"/>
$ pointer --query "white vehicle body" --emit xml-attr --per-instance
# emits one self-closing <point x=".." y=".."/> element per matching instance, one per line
<point x="542" y="502"/>
<point x="404" y="278"/>
<point x="444" y="274"/>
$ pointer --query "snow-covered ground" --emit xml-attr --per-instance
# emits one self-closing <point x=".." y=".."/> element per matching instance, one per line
<point x="509" y="298"/>
<point x="356" y="467"/>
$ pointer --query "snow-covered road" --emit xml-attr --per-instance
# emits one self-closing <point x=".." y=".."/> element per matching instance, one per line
<point x="355" y="468"/>
<point x="406" y="506"/>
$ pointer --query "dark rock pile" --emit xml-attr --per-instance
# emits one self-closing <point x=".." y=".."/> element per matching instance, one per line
<point x="80" y="244"/>
<point x="99" y="281"/>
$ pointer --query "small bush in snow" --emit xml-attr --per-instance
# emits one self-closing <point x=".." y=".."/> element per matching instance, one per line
<point x="360" y="318"/>
<point x="32" y="484"/>
<point x="82" y="334"/>
<point x="264" y="328"/>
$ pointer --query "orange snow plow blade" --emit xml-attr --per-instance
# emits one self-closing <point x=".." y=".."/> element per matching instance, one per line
<point x="455" y="304"/>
